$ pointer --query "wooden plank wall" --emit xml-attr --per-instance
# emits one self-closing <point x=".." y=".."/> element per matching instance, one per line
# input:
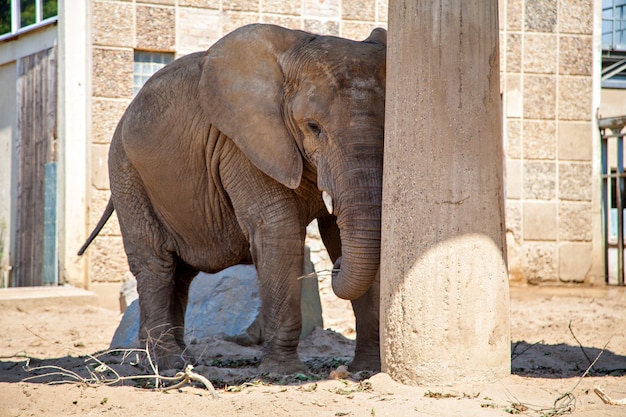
<point x="36" y="135"/>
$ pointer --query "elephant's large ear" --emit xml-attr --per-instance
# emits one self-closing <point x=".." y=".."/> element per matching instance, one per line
<point x="242" y="92"/>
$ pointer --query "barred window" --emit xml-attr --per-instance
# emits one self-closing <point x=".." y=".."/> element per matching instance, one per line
<point x="147" y="63"/>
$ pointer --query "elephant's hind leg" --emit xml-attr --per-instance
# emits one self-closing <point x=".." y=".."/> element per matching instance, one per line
<point x="178" y="305"/>
<point x="153" y="263"/>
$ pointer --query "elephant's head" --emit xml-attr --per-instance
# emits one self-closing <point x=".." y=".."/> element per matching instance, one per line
<point x="286" y="97"/>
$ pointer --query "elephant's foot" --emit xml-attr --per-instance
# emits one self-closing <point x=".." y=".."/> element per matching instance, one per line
<point x="283" y="366"/>
<point x="365" y="361"/>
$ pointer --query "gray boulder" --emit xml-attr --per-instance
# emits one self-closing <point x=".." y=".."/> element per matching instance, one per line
<point x="227" y="306"/>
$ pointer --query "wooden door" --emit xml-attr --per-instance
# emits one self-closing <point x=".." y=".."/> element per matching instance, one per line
<point x="36" y="138"/>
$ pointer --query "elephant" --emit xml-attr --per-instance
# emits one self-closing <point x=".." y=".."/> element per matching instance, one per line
<point x="225" y="156"/>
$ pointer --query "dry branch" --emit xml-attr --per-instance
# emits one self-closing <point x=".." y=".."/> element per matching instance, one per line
<point x="96" y="377"/>
<point x="608" y="400"/>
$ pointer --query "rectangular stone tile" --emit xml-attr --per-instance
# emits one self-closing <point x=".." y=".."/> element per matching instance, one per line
<point x="513" y="139"/>
<point x="290" y="7"/>
<point x="107" y="260"/>
<point x="513" y="215"/>
<point x="575" y="181"/>
<point x="112" y="24"/>
<point x="540" y="53"/>
<point x="330" y="9"/>
<point x="575" y="95"/>
<point x="241" y="5"/>
<point x="513" y="52"/>
<point x="513" y="218"/>
<point x="540" y="15"/>
<point x="156" y="28"/>
<point x="291" y="22"/>
<point x="207" y="4"/>
<point x="575" y="221"/>
<point x="514" y="14"/>
<point x="197" y="29"/>
<point x="513" y="178"/>
<point x="576" y="16"/>
<point x="540" y="262"/>
<point x="112" y="72"/>
<point x="575" y="141"/>
<point x="322" y="27"/>
<point x="539" y="221"/>
<point x="356" y="30"/>
<point x="576" y="55"/>
<point x="358" y="10"/>
<point x="539" y="180"/>
<point x="514" y="96"/>
<point x="574" y="261"/>
<point x="540" y="96"/>
<point x="100" y="166"/>
<point x="383" y="9"/>
<point x="105" y="115"/>
<point x="539" y="139"/>
<point x="165" y="2"/>
<point x="232" y="20"/>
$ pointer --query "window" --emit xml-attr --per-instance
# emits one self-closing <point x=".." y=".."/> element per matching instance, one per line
<point x="614" y="25"/>
<point x="146" y="64"/>
<point x="21" y="15"/>
<point x="613" y="43"/>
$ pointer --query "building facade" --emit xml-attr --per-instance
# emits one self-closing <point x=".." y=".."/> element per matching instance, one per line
<point x="550" y="83"/>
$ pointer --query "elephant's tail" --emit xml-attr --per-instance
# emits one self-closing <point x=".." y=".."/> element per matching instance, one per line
<point x="105" y="216"/>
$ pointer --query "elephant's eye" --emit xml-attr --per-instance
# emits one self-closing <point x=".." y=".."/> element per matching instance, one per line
<point x="314" y="127"/>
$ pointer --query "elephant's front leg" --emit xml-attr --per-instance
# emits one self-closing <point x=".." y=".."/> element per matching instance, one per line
<point x="367" y="313"/>
<point x="366" y="308"/>
<point x="279" y="260"/>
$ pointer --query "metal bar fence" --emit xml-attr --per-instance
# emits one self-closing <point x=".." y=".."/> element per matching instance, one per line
<point x="612" y="132"/>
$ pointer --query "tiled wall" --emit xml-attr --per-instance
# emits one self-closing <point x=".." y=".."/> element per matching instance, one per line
<point x="547" y="62"/>
<point x="181" y="27"/>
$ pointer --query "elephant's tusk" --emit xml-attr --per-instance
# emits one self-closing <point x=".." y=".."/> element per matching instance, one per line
<point x="328" y="201"/>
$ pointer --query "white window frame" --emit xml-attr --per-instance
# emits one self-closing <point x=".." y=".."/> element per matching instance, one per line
<point x="17" y="29"/>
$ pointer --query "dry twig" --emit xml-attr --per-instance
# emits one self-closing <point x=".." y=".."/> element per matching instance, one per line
<point x="569" y="326"/>
<point x="515" y="355"/>
<point x="322" y="274"/>
<point x="97" y="378"/>
<point x="606" y="399"/>
<point x="566" y="402"/>
<point x="188" y="376"/>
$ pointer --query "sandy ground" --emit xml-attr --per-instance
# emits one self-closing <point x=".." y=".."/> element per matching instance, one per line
<point x="556" y="333"/>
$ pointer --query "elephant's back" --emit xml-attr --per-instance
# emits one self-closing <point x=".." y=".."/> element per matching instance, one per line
<point x="163" y="108"/>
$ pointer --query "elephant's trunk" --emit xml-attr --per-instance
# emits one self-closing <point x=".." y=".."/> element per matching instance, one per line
<point x="360" y="246"/>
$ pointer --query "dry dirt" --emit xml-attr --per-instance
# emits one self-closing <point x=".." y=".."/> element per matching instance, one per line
<point x="556" y="333"/>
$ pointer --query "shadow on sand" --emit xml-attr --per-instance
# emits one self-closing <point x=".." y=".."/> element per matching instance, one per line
<point x="536" y="360"/>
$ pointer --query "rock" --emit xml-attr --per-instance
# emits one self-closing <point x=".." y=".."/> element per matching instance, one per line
<point x="128" y="292"/>
<point x="227" y="306"/>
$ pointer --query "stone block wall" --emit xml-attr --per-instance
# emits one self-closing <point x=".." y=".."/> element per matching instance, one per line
<point x="119" y="27"/>
<point x="547" y="68"/>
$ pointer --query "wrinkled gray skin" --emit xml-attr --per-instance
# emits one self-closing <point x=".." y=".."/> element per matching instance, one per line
<point x="222" y="159"/>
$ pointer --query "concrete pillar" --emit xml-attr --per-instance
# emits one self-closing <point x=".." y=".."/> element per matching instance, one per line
<point x="74" y="125"/>
<point x="444" y="283"/>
